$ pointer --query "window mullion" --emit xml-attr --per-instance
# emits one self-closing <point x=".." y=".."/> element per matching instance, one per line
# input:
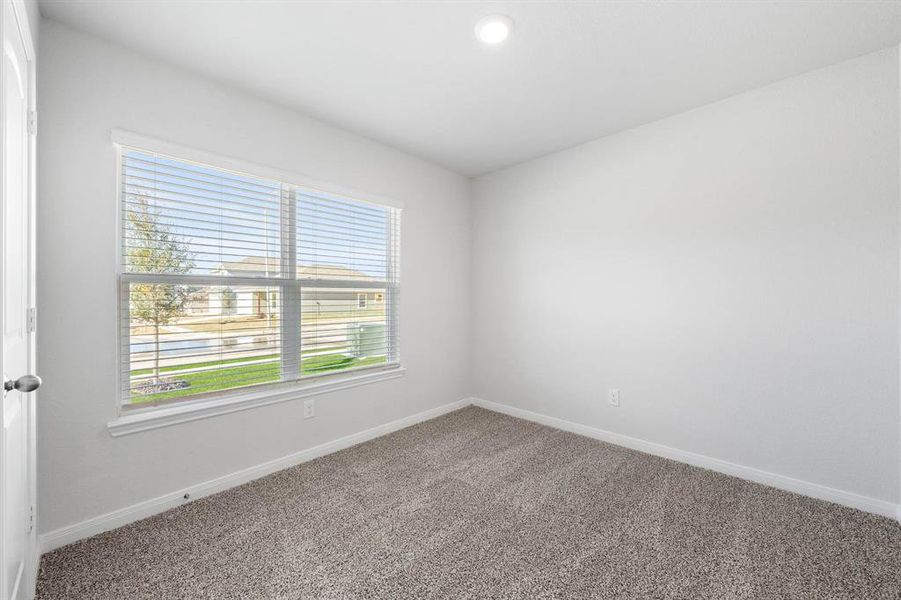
<point x="290" y="309"/>
<point x="191" y="279"/>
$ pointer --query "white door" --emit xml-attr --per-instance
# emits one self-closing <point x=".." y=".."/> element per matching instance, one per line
<point x="17" y="443"/>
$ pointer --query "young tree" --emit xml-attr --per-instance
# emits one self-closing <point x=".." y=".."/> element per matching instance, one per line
<point x="152" y="248"/>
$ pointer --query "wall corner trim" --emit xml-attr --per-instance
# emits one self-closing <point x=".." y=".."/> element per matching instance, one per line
<point x="782" y="482"/>
<point x="147" y="508"/>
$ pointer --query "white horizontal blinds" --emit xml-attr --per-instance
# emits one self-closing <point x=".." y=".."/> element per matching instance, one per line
<point x="346" y="264"/>
<point x="342" y="239"/>
<point x="217" y="337"/>
<point x="230" y="281"/>
<point x="188" y="232"/>
<point x="229" y="224"/>
<point x="343" y="328"/>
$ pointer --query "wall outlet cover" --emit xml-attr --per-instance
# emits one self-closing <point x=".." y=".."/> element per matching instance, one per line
<point x="613" y="397"/>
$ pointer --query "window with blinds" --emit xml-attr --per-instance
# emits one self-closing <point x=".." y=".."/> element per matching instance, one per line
<point x="229" y="281"/>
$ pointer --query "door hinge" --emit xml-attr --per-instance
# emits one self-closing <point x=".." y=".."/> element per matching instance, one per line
<point x="31" y="518"/>
<point x="32" y="122"/>
<point x="31" y="322"/>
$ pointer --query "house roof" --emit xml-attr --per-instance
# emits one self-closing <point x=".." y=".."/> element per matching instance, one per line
<point x="258" y="264"/>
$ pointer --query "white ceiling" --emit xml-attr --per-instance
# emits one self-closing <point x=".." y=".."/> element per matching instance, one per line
<point x="411" y="75"/>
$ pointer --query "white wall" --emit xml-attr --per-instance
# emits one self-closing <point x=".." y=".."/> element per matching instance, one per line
<point x="87" y="88"/>
<point x="734" y="270"/>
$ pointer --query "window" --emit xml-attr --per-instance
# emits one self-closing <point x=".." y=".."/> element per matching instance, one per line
<point x="229" y="281"/>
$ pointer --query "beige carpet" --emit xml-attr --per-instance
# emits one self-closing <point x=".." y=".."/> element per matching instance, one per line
<point x="480" y="505"/>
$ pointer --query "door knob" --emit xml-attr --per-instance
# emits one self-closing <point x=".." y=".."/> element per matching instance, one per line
<point x="25" y="383"/>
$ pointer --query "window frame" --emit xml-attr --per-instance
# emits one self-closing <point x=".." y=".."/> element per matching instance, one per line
<point x="139" y="418"/>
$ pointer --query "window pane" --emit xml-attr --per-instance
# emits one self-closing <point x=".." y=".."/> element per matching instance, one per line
<point x="200" y="231"/>
<point x="342" y="328"/>
<point x="184" y="218"/>
<point x="341" y="239"/>
<point x="186" y="340"/>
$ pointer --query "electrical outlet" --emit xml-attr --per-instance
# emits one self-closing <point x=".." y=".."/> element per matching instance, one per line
<point x="309" y="409"/>
<point x="613" y="397"/>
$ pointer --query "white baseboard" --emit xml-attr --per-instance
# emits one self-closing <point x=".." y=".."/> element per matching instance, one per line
<point x="129" y="514"/>
<point x="790" y="484"/>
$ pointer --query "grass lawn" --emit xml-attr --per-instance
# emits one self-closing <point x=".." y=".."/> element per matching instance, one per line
<point x="248" y="374"/>
<point x="226" y="361"/>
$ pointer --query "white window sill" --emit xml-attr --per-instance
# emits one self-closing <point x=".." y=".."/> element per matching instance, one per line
<point x="154" y="418"/>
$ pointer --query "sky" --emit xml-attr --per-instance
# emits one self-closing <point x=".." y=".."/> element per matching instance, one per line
<point x="224" y="216"/>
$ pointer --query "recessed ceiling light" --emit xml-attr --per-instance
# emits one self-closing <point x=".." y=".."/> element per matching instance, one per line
<point x="494" y="29"/>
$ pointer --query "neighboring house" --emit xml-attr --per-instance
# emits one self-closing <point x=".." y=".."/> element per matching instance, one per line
<point x="263" y="302"/>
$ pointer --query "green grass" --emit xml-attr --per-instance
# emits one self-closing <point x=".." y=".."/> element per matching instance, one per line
<point x="225" y="361"/>
<point x="251" y="374"/>
<point x="198" y="365"/>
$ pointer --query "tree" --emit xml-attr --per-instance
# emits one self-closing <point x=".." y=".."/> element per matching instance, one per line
<point x="153" y="248"/>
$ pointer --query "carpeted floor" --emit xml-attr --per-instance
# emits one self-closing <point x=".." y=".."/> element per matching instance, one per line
<point x="480" y="505"/>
